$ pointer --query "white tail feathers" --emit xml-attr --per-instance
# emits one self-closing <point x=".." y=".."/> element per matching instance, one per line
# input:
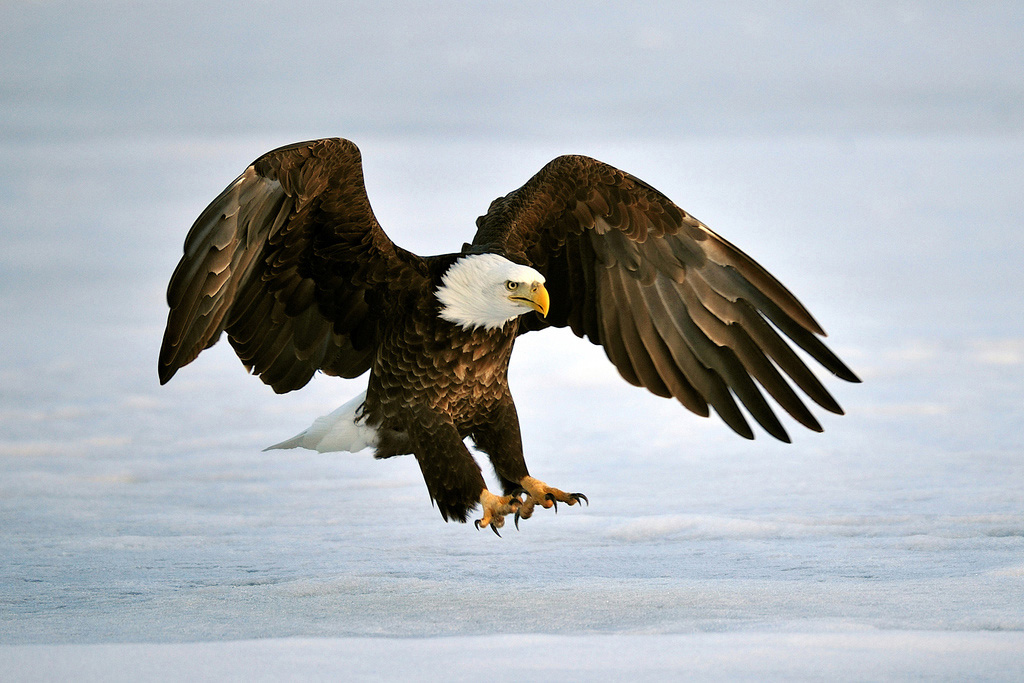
<point x="343" y="430"/>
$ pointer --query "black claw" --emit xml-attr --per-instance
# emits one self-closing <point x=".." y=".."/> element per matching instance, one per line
<point x="579" y="497"/>
<point x="493" y="528"/>
<point x="554" y="503"/>
<point x="519" y="492"/>
<point x="517" y="520"/>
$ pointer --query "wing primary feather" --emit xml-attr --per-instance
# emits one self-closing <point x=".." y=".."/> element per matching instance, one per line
<point x="767" y="339"/>
<point x="717" y="391"/>
<point x="721" y="251"/>
<point x="611" y="335"/>
<point x="806" y="340"/>
<point x="728" y="279"/>
<point x="640" y="358"/>
<point x="723" y="363"/>
<point x="696" y="384"/>
<point x="735" y="336"/>
<point x="659" y="346"/>
<point x="783" y="355"/>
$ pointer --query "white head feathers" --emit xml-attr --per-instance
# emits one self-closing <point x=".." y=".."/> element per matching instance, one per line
<point x="477" y="291"/>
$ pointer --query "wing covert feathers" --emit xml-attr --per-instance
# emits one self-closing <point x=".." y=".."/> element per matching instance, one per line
<point x="677" y="308"/>
<point x="286" y="260"/>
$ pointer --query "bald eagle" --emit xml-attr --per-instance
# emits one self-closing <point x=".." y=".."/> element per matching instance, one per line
<point x="290" y="261"/>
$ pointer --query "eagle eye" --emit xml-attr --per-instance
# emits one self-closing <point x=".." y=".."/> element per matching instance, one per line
<point x="511" y="286"/>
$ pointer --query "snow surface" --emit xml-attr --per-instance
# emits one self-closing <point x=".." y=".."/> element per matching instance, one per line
<point x="870" y="157"/>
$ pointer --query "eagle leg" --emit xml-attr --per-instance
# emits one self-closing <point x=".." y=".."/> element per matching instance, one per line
<point x="495" y="508"/>
<point x="539" y="493"/>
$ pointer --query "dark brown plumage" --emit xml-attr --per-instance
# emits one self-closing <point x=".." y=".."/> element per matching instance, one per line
<point x="291" y="263"/>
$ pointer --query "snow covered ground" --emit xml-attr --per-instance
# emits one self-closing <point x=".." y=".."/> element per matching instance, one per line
<point x="870" y="159"/>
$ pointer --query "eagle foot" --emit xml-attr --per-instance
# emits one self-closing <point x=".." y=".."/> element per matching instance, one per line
<point x="495" y="508"/>
<point x="539" y="493"/>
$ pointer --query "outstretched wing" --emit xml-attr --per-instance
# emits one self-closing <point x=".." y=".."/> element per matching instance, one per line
<point x="678" y="309"/>
<point x="288" y="260"/>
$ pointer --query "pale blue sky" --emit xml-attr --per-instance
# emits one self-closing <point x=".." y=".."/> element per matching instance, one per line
<point x="511" y="68"/>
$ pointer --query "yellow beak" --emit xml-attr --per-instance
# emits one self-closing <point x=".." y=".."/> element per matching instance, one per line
<point x="538" y="299"/>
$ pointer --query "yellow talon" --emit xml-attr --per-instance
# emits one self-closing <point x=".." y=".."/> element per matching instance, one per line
<point x="547" y="496"/>
<point x="495" y="508"/>
<point x="536" y="493"/>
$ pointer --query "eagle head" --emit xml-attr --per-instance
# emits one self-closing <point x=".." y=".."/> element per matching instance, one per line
<point x="488" y="290"/>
